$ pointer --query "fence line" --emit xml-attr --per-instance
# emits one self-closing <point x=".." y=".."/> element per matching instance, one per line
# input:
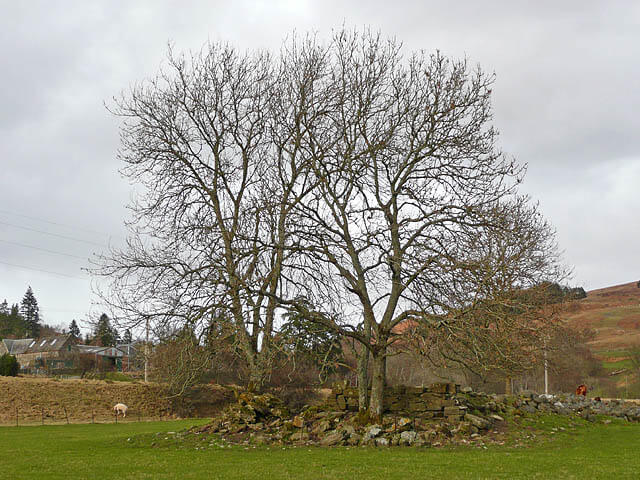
<point x="57" y="416"/>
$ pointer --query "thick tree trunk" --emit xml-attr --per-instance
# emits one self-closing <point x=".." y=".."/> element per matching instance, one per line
<point x="363" y="379"/>
<point x="376" y="404"/>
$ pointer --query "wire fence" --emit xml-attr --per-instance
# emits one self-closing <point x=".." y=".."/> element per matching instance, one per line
<point x="41" y="415"/>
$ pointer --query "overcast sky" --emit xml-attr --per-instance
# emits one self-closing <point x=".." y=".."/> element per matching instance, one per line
<point x="566" y="101"/>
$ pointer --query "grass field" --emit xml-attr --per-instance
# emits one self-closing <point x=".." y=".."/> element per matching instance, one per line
<point x="109" y="451"/>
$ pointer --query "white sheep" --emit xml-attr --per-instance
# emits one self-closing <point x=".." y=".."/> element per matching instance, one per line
<point x="120" y="408"/>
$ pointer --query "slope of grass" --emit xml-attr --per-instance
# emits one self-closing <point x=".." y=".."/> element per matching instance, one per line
<point x="121" y="451"/>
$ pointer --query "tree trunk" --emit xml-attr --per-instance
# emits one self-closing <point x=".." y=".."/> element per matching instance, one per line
<point x="507" y="386"/>
<point x="376" y="404"/>
<point x="363" y="379"/>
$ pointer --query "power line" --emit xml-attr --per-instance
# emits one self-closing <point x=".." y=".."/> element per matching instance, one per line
<point x="39" y="270"/>
<point x="74" y="227"/>
<point x="42" y="249"/>
<point x="52" y="234"/>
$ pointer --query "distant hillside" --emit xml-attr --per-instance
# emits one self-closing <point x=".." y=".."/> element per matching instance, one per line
<point x="613" y="313"/>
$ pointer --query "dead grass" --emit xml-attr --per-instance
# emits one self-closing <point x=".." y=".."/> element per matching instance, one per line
<point x="90" y="400"/>
<point x="614" y="315"/>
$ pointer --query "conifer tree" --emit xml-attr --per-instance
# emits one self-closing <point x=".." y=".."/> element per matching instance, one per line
<point x="104" y="332"/>
<point x="31" y="313"/>
<point x="4" y="308"/>
<point x="74" y="330"/>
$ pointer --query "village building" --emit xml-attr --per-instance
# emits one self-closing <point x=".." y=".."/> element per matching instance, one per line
<point x="51" y="352"/>
<point x="105" y="358"/>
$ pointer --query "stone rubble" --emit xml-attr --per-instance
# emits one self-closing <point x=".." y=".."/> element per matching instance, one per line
<point x="441" y="414"/>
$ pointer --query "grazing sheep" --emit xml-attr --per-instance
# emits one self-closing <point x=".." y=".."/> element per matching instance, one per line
<point x="120" y="408"/>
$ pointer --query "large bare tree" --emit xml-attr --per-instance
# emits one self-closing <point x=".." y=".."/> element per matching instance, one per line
<point x="344" y="175"/>
<point x="407" y="172"/>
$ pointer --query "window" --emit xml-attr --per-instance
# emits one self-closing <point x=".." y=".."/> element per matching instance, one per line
<point x="32" y="344"/>
<point x="54" y="341"/>
<point x="43" y="342"/>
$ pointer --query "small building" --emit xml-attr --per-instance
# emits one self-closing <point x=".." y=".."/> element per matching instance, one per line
<point x="105" y="358"/>
<point x="130" y="360"/>
<point x="45" y="352"/>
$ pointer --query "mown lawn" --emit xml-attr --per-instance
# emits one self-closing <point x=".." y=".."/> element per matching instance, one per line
<point x="120" y="451"/>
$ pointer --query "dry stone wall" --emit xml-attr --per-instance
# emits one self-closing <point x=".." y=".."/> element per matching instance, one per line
<point x="433" y="401"/>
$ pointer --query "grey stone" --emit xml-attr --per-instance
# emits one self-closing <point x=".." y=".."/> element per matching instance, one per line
<point x="408" y="438"/>
<point x="373" y="431"/>
<point x="382" y="442"/>
<point x="334" y="438"/>
<point x="476" y="421"/>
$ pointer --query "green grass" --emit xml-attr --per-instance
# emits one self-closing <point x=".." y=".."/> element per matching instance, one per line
<point x="613" y="353"/>
<point x="619" y="365"/>
<point x="105" y="452"/>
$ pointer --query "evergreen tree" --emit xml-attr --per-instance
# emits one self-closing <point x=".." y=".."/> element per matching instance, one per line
<point x="4" y="308"/>
<point x="12" y="325"/>
<point x="8" y="365"/>
<point x="104" y="332"/>
<point x="74" y="330"/>
<point x="31" y="313"/>
<point x="127" y="337"/>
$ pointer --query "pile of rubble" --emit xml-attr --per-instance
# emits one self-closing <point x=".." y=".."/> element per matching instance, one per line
<point x="420" y="416"/>
<point x="263" y="419"/>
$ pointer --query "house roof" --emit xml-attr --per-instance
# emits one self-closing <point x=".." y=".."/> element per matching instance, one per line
<point x="36" y="345"/>
<point x="102" y="351"/>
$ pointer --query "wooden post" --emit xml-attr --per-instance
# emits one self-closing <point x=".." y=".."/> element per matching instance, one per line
<point x="92" y="415"/>
<point x="42" y="412"/>
<point x="16" y="415"/>
<point x="146" y="354"/>
<point x="116" y="412"/>
<point x="66" y="415"/>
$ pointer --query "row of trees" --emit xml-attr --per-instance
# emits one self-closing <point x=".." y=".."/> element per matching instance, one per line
<point x="342" y="183"/>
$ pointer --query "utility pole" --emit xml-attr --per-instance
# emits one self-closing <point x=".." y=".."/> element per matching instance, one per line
<point x="146" y="355"/>
<point x="546" y="373"/>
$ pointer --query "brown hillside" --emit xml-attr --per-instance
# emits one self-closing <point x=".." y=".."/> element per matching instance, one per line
<point x="86" y="399"/>
<point x="614" y="315"/>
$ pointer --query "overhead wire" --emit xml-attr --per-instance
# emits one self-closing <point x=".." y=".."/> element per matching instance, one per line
<point x="52" y="234"/>
<point x="59" y="224"/>
<point x="42" y="249"/>
<point x="41" y="270"/>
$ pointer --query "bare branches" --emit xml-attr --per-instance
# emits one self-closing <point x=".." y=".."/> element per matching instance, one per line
<point x="345" y="174"/>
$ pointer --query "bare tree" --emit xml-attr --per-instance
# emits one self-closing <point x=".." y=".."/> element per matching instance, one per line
<point x="503" y="310"/>
<point x="344" y="174"/>
<point x="407" y="172"/>
<point x="212" y="146"/>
